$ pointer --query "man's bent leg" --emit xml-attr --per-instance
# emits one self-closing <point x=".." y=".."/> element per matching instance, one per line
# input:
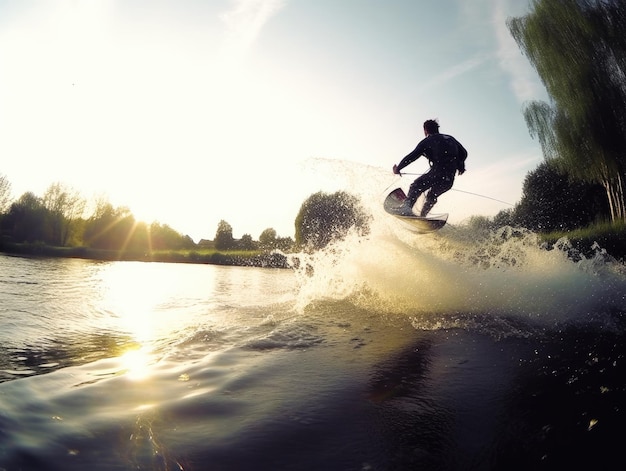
<point x="443" y="185"/>
<point x="428" y="204"/>
<point x="418" y="187"/>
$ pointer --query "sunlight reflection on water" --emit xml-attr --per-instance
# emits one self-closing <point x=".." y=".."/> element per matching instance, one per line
<point x="62" y="312"/>
<point x="136" y="363"/>
<point x="140" y="296"/>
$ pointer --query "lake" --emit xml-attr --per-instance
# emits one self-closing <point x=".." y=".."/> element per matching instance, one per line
<point x="453" y="351"/>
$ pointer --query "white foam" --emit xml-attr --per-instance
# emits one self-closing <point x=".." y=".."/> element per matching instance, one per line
<point x="462" y="270"/>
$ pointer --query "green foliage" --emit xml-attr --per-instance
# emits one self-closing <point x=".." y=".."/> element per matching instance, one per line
<point x="579" y="51"/>
<point x="267" y="239"/>
<point x="284" y="243"/>
<point x="246" y="242"/>
<point x="65" y="209"/>
<point x="26" y="220"/>
<point x="224" y="236"/>
<point x="109" y="227"/>
<point x="607" y="235"/>
<point x="479" y="223"/>
<point x="162" y="237"/>
<point x="550" y="201"/>
<point x="47" y="224"/>
<point x="5" y="194"/>
<point x="504" y="218"/>
<point x="324" y="218"/>
<point x="116" y="229"/>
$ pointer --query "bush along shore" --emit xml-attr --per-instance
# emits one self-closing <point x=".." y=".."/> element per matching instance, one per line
<point x="608" y="236"/>
<point x="213" y="257"/>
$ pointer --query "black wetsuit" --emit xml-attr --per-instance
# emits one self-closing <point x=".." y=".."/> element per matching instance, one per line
<point x="446" y="156"/>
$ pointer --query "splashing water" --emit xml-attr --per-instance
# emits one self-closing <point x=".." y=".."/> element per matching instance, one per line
<point x="460" y="272"/>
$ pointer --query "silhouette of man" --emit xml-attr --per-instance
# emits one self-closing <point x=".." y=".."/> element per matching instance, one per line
<point x="446" y="157"/>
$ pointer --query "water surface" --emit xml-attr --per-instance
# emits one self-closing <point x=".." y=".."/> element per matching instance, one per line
<point x="454" y="351"/>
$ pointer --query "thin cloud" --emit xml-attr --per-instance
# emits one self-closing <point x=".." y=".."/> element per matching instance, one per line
<point x="524" y="81"/>
<point x="245" y="20"/>
<point x="456" y="71"/>
<point x="461" y="69"/>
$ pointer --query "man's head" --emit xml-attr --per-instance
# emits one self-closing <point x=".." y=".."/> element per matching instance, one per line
<point x="431" y="126"/>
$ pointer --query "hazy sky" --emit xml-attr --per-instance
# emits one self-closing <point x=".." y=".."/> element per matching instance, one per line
<point x="189" y="112"/>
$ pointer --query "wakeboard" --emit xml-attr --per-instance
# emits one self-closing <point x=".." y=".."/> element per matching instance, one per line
<point x="421" y="225"/>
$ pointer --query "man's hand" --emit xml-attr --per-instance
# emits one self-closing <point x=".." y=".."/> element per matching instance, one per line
<point x="396" y="170"/>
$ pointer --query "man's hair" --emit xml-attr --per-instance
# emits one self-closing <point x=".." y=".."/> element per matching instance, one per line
<point x="431" y="126"/>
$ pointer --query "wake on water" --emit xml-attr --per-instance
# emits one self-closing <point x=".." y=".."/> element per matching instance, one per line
<point x="504" y="282"/>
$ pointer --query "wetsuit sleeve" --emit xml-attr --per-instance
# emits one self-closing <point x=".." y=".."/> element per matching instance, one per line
<point x="413" y="156"/>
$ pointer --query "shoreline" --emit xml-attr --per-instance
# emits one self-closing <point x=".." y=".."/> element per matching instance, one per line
<point x="238" y="258"/>
<point x="584" y="244"/>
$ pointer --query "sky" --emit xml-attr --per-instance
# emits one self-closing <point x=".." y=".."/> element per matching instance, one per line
<point x="189" y="112"/>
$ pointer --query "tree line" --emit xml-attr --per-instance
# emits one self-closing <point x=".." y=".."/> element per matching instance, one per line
<point x="323" y="218"/>
<point x="268" y="240"/>
<point x="58" y="218"/>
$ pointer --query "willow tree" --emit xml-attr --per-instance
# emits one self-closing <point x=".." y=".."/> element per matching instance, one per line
<point x="578" y="48"/>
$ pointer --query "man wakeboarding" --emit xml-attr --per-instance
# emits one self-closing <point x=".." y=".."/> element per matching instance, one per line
<point x="446" y="157"/>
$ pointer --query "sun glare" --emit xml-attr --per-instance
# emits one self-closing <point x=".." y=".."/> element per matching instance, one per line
<point x="137" y="294"/>
<point x="147" y="104"/>
<point x="136" y="363"/>
<point x="134" y="292"/>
